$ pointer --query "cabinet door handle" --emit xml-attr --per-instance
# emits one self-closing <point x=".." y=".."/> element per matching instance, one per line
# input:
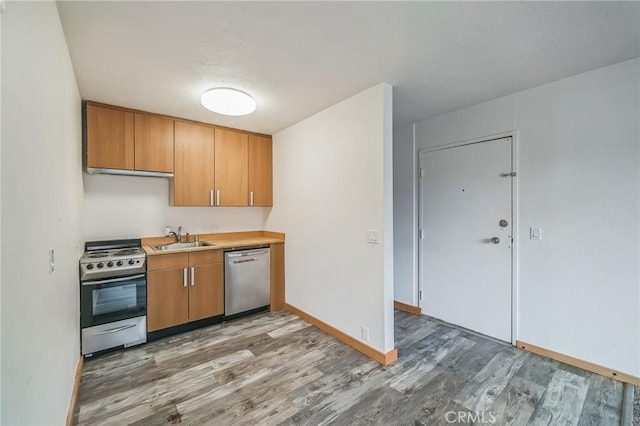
<point x="211" y="197"/>
<point x="193" y="276"/>
<point x="251" y="198"/>
<point x="184" y="276"/>
<point x="218" y="197"/>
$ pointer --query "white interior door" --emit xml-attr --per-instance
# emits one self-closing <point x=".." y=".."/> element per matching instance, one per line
<point x="465" y="249"/>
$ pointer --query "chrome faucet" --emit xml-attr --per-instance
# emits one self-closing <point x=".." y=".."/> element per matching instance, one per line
<point x="169" y="232"/>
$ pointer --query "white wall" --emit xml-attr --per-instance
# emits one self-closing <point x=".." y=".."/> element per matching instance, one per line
<point x="404" y="216"/>
<point x="1" y="10"/>
<point x="580" y="181"/>
<point x="332" y="178"/>
<point x="127" y="206"/>
<point x="578" y="177"/>
<point x="41" y="209"/>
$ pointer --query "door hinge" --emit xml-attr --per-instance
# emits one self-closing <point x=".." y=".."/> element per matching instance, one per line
<point x="421" y="234"/>
<point x="421" y="173"/>
<point x="420" y="295"/>
<point x="510" y="174"/>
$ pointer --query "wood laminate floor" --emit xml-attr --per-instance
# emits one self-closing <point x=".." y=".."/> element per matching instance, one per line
<point x="274" y="368"/>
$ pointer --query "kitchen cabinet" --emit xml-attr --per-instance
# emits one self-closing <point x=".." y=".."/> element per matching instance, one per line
<point x="206" y="290"/>
<point x="260" y="171"/>
<point x="231" y="168"/>
<point x="184" y="287"/>
<point x="194" y="165"/>
<point x="119" y="139"/>
<point x="109" y="138"/>
<point x="167" y="299"/>
<point x="153" y="142"/>
<point x="210" y="165"/>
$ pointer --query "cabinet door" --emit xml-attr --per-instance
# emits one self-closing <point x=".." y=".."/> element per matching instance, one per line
<point x="206" y="291"/>
<point x="109" y="138"/>
<point x="153" y="143"/>
<point x="167" y="299"/>
<point x="193" y="176"/>
<point x="260" y="171"/>
<point x="231" y="168"/>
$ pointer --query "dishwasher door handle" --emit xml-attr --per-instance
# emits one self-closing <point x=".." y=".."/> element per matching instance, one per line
<point x="248" y="253"/>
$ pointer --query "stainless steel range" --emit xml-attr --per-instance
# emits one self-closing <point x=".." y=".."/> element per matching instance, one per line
<point x="113" y="295"/>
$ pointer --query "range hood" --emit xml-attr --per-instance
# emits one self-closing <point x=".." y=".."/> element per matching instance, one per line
<point x="122" y="172"/>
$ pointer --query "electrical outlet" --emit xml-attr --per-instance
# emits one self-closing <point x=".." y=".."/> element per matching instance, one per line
<point x="52" y="263"/>
<point x="372" y="236"/>
<point x="535" y="233"/>
<point x="365" y="333"/>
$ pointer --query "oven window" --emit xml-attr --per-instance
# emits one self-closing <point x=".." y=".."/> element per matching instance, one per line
<point x="115" y="299"/>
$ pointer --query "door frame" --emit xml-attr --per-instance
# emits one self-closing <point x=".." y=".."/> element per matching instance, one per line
<point x="514" y="218"/>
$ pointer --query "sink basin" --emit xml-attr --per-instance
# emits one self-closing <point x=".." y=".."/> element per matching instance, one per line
<point x="177" y="246"/>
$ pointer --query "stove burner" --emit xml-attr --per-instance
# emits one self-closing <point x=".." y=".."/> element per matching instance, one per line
<point x="97" y="255"/>
<point x="126" y="252"/>
<point x="112" y="259"/>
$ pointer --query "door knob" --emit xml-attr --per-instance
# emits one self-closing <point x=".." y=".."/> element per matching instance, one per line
<point x="495" y="240"/>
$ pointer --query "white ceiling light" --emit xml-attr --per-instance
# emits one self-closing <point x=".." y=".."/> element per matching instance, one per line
<point x="227" y="101"/>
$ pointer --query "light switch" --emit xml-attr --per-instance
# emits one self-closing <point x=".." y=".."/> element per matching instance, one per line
<point x="372" y="236"/>
<point x="535" y="233"/>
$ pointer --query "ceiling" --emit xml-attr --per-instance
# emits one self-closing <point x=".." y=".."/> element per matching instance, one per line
<point x="297" y="58"/>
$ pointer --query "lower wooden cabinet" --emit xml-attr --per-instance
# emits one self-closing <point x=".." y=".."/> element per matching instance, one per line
<point x="206" y="294"/>
<point x="167" y="299"/>
<point x="184" y="287"/>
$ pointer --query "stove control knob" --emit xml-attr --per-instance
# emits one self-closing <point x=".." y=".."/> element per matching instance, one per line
<point x="131" y="262"/>
<point x="100" y="265"/>
<point x="119" y="263"/>
<point x="90" y="266"/>
<point x="109" y="264"/>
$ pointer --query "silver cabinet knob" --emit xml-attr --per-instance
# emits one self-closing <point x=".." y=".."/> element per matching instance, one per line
<point x="495" y="240"/>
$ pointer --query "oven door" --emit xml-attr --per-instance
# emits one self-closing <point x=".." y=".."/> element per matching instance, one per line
<point x="110" y="300"/>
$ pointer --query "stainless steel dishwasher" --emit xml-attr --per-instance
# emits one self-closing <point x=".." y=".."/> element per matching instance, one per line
<point x="247" y="280"/>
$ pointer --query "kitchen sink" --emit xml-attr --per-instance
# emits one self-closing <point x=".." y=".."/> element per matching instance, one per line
<point x="178" y="246"/>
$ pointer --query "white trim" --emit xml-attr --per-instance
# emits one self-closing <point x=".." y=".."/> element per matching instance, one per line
<point x="513" y="134"/>
<point x="509" y="134"/>
<point x="516" y="238"/>
<point x="416" y="223"/>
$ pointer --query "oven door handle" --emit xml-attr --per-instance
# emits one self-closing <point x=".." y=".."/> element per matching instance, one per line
<point x="113" y="280"/>
<point x="115" y="330"/>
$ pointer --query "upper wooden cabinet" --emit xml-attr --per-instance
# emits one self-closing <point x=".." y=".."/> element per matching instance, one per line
<point x="193" y="176"/>
<point x="124" y="140"/>
<point x="231" y="168"/>
<point x="210" y="165"/>
<point x="260" y="171"/>
<point x="153" y="143"/>
<point x="109" y="138"/>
